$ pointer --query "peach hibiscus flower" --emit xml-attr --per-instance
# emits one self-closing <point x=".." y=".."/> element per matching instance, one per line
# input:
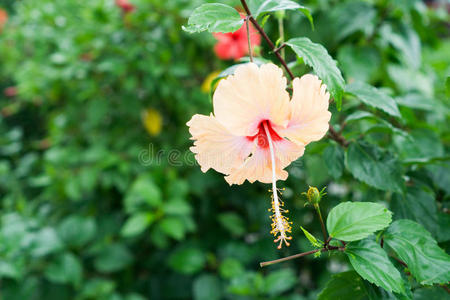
<point x="257" y="131"/>
<point x="234" y="45"/>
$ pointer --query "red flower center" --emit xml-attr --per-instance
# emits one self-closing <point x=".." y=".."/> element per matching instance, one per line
<point x="261" y="136"/>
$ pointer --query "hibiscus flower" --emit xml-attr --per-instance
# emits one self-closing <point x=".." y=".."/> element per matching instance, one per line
<point x="234" y="45"/>
<point x="257" y="130"/>
<point x="125" y="5"/>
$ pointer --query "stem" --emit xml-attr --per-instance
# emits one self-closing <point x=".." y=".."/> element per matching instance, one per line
<point x="250" y="52"/>
<point x="334" y="135"/>
<point x="339" y="138"/>
<point x="268" y="263"/>
<point x="324" y="231"/>
<point x="281" y="33"/>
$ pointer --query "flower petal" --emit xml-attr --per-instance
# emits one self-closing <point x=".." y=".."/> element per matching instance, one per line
<point x="215" y="147"/>
<point x="251" y="95"/>
<point x="309" y="111"/>
<point x="259" y="165"/>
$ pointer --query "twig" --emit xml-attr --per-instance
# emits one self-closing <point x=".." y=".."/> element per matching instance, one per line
<point x="250" y="54"/>
<point x="334" y="135"/>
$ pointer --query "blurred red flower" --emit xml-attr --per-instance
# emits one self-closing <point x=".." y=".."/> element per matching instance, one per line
<point x="234" y="45"/>
<point x="3" y="18"/>
<point x="10" y="91"/>
<point x="125" y="5"/>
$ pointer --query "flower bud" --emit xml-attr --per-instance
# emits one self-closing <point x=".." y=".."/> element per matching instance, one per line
<point x="313" y="195"/>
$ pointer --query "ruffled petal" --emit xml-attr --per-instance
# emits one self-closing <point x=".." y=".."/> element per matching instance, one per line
<point x="215" y="147"/>
<point x="258" y="167"/>
<point x="251" y="95"/>
<point x="309" y="115"/>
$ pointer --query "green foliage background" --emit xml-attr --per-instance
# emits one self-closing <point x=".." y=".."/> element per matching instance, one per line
<point x="88" y="211"/>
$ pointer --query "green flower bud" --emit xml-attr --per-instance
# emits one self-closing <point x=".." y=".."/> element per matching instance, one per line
<point x="313" y="195"/>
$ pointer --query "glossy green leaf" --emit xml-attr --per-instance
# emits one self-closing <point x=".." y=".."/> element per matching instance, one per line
<point x="428" y="263"/>
<point x="352" y="221"/>
<point x="333" y="156"/>
<point x="373" y="264"/>
<point x="344" y="286"/>
<point x="316" y="56"/>
<point x="214" y="17"/>
<point x="373" y="97"/>
<point x="373" y="166"/>
<point x="257" y="7"/>
<point x="173" y="227"/>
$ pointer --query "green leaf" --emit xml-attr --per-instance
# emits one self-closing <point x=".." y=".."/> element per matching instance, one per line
<point x="352" y="221"/>
<point x="64" y="269"/>
<point x="113" y="258"/>
<point x="428" y="263"/>
<point x="359" y="62"/>
<point x="421" y="145"/>
<point x="374" y="166"/>
<point x="344" y="286"/>
<point x="312" y="239"/>
<point x="173" y="227"/>
<point x="77" y="230"/>
<point x="430" y="293"/>
<point x="280" y="281"/>
<point x="418" y="205"/>
<point x="144" y="192"/>
<point x="373" y="97"/>
<point x="45" y="242"/>
<point x="137" y="223"/>
<point x="257" y="7"/>
<point x="187" y="260"/>
<point x="214" y="17"/>
<point x="333" y="156"/>
<point x="233" y="223"/>
<point x="373" y="264"/>
<point x="316" y="56"/>
<point x="230" y="268"/>
<point x="380" y="123"/>
<point x="350" y="17"/>
<point x="207" y="287"/>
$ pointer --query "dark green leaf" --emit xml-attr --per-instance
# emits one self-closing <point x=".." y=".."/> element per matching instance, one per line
<point x="280" y="281"/>
<point x="137" y="223"/>
<point x="351" y="221"/>
<point x="113" y="258"/>
<point x="373" y="264"/>
<point x="144" y="192"/>
<point x="316" y="56"/>
<point x="214" y="17"/>
<point x="333" y="156"/>
<point x="350" y="17"/>
<point x="344" y="286"/>
<point x="373" y="166"/>
<point x="207" y="287"/>
<point x="77" y="230"/>
<point x="187" y="260"/>
<point x="418" y="205"/>
<point x="65" y="269"/>
<point x="233" y="223"/>
<point x="427" y="262"/>
<point x="373" y="97"/>
<point x="173" y="227"/>
<point x="257" y="7"/>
